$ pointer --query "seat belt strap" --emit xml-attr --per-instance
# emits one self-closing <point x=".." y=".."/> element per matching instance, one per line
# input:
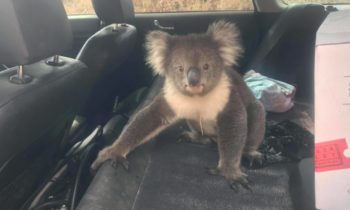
<point x="274" y="34"/>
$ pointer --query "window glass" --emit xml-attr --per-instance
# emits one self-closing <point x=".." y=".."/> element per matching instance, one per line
<point x="78" y="7"/>
<point x="83" y="7"/>
<point x="317" y="1"/>
<point x="144" y="6"/>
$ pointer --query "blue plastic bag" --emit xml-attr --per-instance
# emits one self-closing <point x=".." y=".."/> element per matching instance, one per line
<point x="277" y="96"/>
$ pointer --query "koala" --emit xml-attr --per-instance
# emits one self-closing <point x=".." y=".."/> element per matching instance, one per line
<point x="202" y="87"/>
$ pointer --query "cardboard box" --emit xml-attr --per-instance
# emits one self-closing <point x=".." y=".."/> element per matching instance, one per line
<point x="332" y="113"/>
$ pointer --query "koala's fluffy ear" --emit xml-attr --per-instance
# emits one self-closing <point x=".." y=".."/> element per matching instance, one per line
<point x="157" y="44"/>
<point x="227" y="36"/>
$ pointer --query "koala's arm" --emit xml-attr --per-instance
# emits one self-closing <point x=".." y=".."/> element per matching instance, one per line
<point x="245" y="93"/>
<point x="146" y="124"/>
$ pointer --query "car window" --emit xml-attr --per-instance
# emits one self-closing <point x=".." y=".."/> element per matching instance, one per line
<point x="78" y="7"/>
<point x="148" y="6"/>
<point x="317" y="1"/>
<point x="84" y="7"/>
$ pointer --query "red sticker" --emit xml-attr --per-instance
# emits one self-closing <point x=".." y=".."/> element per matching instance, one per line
<point x="330" y="156"/>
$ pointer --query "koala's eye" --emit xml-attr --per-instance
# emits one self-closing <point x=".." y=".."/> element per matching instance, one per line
<point x="180" y="69"/>
<point x="206" y="66"/>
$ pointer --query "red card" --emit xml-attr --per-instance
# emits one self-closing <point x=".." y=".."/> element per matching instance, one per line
<point x="330" y="156"/>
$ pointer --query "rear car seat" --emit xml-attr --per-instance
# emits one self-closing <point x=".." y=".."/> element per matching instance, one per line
<point x="169" y="175"/>
<point x="38" y="99"/>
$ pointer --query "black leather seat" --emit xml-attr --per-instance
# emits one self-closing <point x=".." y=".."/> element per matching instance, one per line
<point x="166" y="174"/>
<point x="105" y="52"/>
<point x="38" y="99"/>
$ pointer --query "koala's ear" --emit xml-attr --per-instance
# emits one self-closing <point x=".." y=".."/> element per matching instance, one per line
<point x="227" y="36"/>
<point x="157" y="45"/>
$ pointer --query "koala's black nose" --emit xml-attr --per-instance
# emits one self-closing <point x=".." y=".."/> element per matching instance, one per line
<point x="193" y="76"/>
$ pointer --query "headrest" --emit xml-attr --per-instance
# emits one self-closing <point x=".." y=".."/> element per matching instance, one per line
<point x="114" y="11"/>
<point x="32" y="30"/>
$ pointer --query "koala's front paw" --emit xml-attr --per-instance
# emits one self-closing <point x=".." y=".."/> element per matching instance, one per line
<point x="253" y="160"/>
<point x="235" y="179"/>
<point x="120" y="160"/>
<point x="240" y="181"/>
<point x="109" y="153"/>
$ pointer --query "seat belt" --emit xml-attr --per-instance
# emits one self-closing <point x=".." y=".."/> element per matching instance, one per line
<point x="274" y="34"/>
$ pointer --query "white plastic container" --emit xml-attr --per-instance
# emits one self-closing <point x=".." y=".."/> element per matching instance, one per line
<point x="332" y="113"/>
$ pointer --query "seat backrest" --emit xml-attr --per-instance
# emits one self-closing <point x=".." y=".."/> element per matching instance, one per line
<point x="287" y="21"/>
<point x="106" y="51"/>
<point x="114" y="11"/>
<point x="287" y="50"/>
<point x="39" y="105"/>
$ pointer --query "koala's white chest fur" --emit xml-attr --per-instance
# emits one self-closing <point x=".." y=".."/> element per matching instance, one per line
<point x="205" y="108"/>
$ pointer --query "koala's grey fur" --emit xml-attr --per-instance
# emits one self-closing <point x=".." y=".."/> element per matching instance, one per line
<point x="220" y="106"/>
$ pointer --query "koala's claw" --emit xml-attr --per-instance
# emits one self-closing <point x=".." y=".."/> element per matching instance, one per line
<point x="120" y="160"/>
<point x="242" y="181"/>
<point x="238" y="180"/>
<point x="254" y="161"/>
<point x="109" y="153"/>
<point x="95" y="165"/>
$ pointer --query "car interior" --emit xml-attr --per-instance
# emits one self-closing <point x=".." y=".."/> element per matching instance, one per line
<point x="69" y="85"/>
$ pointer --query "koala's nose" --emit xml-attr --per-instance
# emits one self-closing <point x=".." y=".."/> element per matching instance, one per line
<point x="193" y="76"/>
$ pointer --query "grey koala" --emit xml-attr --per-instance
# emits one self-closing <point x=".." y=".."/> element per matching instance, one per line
<point x="202" y="87"/>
